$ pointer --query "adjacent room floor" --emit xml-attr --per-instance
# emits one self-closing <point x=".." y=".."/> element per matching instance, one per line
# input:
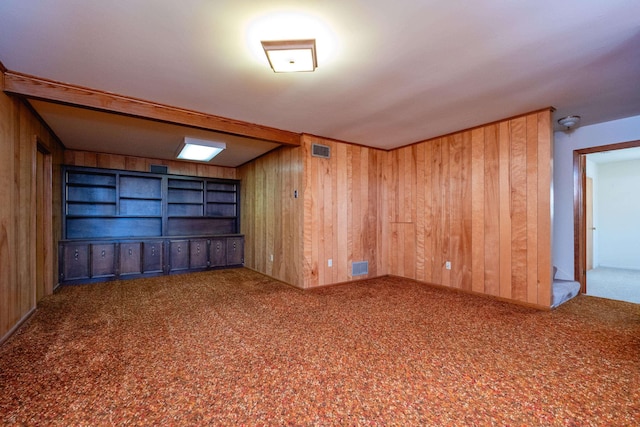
<point x="614" y="283"/>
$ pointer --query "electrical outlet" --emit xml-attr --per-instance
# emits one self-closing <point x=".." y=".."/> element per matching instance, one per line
<point x="330" y="263"/>
<point x="447" y="265"/>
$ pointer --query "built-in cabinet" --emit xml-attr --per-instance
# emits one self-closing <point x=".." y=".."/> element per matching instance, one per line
<point x="121" y="224"/>
<point x="95" y="260"/>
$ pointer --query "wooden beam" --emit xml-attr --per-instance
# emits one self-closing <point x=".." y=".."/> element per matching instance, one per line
<point x="50" y="90"/>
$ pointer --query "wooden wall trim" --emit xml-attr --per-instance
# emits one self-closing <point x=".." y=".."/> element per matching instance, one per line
<point x="50" y="90"/>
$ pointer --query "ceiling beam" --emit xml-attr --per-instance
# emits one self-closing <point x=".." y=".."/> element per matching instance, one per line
<point x="54" y="91"/>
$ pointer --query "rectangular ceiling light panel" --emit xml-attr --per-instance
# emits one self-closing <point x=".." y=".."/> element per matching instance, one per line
<point x="290" y="56"/>
<point x="200" y="149"/>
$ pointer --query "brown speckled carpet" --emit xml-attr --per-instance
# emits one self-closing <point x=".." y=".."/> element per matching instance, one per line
<point x="234" y="347"/>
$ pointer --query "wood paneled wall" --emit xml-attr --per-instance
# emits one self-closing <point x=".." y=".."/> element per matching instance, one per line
<point x="335" y="215"/>
<point x="342" y="200"/>
<point x="20" y="133"/>
<point x="142" y="164"/>
<point x="271" y="215"/>
<point x="480" y="199"/>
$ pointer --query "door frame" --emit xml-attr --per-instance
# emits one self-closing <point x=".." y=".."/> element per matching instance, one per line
<point x="43" y="252"/>
<point x="580" y="206"/>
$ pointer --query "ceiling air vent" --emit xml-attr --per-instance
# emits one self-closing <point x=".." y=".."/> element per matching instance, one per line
<point x="323" y="151"/>
<point x="360" y="268"/>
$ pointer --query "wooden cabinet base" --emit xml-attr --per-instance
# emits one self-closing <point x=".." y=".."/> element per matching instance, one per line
<point x="89" y="261"/>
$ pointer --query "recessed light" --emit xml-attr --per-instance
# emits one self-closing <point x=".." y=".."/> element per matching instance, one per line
<point x="200" y="149"/>
<point x="291" y="56"/>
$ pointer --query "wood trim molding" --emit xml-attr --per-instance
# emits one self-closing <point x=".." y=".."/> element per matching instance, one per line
<point x="54" y="91"/>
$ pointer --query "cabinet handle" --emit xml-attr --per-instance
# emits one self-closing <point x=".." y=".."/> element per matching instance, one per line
<point x="130" y="251"/>
<point x="102" y="253"/>
<point x="198" y="249"/>
<point x="179" y="249"/>
<point x="76" y="254"/>
<point x="153" y="251"/>
<point x="234" y="246"/>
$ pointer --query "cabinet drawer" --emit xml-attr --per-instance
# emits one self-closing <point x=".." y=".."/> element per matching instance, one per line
<point x="103" y="260"/>
<point x="75" y="261"/>
<point x="198" y="253"/>
<point x="178" y="255"/>
<point x="130" y="258"/>
<point x="218" y="253"/>
<point x="152" y="257"/>
<point x="235" y="251"/>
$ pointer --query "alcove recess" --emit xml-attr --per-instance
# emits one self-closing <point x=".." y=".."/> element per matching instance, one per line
<point x="122" y="224"/>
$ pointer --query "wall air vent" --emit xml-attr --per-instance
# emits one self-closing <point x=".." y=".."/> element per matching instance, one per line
<point x="159" y="169"/>
<point x="323" y="151"/>
<point x="360" y="268"/>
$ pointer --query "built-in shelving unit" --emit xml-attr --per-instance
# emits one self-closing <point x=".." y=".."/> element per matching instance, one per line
<point x="120" y="224"/>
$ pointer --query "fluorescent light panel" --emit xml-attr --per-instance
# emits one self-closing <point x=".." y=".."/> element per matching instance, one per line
<point x="290" y="56"/>
<point x="200" y="149"/>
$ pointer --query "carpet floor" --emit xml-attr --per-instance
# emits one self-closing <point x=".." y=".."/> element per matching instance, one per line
<point x="614" y="283"/>
<point x="234" y="347"/>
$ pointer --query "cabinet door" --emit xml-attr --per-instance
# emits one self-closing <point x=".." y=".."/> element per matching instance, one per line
<point x="218" y="253"/>
<point x="103" y="260"/>
<point x="235" y="250"/>
<point x="198" y="256"/>
<point x="152" y="257"/>
<point x="75" y="261"/>
<point x="178" y="255"/>
<point x="130" y="258"/>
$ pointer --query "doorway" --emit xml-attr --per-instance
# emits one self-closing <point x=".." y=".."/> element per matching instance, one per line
<point x="591" y="244"/>
<point x="43" y="222"/>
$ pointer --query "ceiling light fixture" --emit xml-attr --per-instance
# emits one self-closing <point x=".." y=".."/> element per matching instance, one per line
<point x="291" y="56"/>
<point x="569" y="121"/>
<point x="200" y="149"/>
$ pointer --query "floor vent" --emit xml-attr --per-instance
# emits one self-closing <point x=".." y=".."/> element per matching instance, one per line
<point x="360" y="268"/>
<point x="323" y="151"/>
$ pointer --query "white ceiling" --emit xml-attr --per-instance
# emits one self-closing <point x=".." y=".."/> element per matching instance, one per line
<point x="398" y="72"/>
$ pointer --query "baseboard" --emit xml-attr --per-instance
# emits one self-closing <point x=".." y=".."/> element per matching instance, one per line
<point x="17" y="325"/>
<point x="493" y="297"/>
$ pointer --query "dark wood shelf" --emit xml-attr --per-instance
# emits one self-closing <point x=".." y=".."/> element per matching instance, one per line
<point x="122" y="224"/>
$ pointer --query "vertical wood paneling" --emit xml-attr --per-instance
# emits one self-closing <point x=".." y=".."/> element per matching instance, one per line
<point x="341" y="212"/>
<point x="492" y="211"/>
<point x="429" y="227"/>
<point x="504" y="164"/>
<point x="420" y="219"/>
<point x="466" y="253"/>
<point x="532" y="209"/>
<point x="475" y="200"/>
<point x="142" y="164"/>
<point x="477" y="210"/>
<point x="455" y="210"/>
<point x="272" y="218"/>
<point x="545" y="174"/>
<point x="20" y="132"/>
<point x="437" y="176"/>
<point x="518" y="163"/>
